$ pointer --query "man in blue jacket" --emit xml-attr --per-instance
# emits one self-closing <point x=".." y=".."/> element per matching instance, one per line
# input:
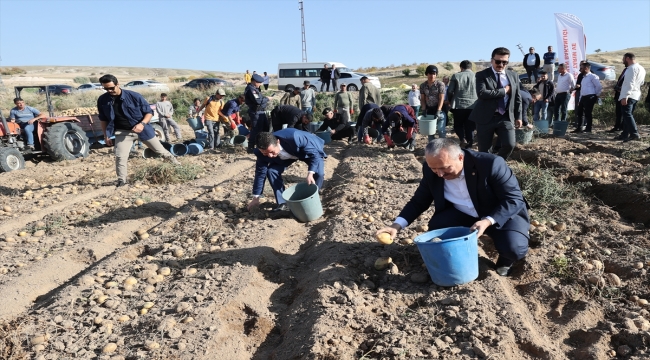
<point x="471" y="189"/>
<point x="401" y="117"/>
<point x="276" y="151"/>
<point x="126" y="115"/>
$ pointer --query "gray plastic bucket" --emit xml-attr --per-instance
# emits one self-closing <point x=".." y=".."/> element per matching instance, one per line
<point x="523" y="136"/>
<point x="560" y="127"/>
<point x="304" y="202"/>
<point x="179" y="149"/>
<point x="239" y="140"/>
<point x="427" y="124"/>
<point x="195" y="123"/>
<point x="325" y="135"/>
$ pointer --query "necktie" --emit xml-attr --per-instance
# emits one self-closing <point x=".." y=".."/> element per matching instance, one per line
<point x="502" y="101"/>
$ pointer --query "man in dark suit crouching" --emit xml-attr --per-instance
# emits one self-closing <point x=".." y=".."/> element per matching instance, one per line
<point x="276" y="151"/>
<point x="471" y="189"/>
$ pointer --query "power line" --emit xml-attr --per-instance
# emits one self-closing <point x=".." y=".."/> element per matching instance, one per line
<point x="304" y="38"/>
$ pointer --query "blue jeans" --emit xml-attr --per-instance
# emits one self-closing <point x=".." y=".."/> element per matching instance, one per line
<point x="28" y="129"/>
<point x="308" y="109"/>
<point x="441" y="124"/>
<point x="540" y="106"/>
<point x="629" y="125"/>
<point x="274" y="174"/>
<point x="416" y="109"/>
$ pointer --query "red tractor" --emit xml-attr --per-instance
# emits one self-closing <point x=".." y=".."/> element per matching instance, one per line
<point x="62" y="138"/>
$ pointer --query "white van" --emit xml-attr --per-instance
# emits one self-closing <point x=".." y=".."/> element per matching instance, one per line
<point x="292" y="75"/>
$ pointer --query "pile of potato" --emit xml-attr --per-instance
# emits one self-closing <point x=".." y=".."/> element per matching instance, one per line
<point x="79" y="111"/>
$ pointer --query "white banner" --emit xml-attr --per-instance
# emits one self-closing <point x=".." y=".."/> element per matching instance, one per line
<point x="571" y="40"/>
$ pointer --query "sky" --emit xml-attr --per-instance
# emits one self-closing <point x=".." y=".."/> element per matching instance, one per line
<point x="232" y="36"/>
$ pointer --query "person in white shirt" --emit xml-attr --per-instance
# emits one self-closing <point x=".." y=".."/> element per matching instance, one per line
<point x="630" y="95"/>
<point x="414" y="99"/>
<point x="266" y="81"/>
<point x="565" y="84"/>
<point x="590" y="89"/>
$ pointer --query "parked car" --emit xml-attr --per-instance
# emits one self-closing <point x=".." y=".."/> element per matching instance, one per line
<point x="207" y="83"/>
<point x="146" y="85"/>
<point x="352" y="79"/>
<point x="57" y="90"/>
<point x="604" y="72"/>
<point x="90" y="86"/>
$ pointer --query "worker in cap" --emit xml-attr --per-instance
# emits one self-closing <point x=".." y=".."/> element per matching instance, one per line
<point x="256" y="110"/>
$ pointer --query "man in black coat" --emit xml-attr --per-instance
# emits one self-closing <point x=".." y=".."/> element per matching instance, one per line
<point x="470" y="189"/>
<point x="288" y="115"/>
<point x="325" y="76"/>
<point x="339" y="126"/>
<point x="531" y="64"/>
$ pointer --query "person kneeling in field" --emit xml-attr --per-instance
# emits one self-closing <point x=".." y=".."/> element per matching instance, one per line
<point x="338" y="124"/>
<point x="277" y="151"/>
<point x="401" y="118"/>
<point x="471" y="189"/>
<point x="126" y="114"/>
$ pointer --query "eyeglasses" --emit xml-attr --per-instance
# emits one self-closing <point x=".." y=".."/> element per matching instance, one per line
<point x="500" y="62"/>
<point x="109" y="88"/>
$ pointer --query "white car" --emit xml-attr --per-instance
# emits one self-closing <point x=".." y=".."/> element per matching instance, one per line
<point x="90" y="86"/>
<point x="146" y="85"/>
<point x="352" y="79"/>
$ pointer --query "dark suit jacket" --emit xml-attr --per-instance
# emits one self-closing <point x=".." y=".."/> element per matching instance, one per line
<point x="549" y="91"/>
<point x="536" y="61"/>
<point x="336" y="74"/>
<point x="325" y="75"/>
<point x="307" y="147"/>
<point x="493" y="187"/>
<point x="489" y="95"/>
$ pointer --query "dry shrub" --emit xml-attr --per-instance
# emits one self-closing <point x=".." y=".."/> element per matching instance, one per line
<point x="11" y="346"/>
<point x="167" y="173"/>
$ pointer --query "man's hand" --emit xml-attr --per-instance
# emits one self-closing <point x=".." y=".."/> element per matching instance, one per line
<point x="481" y="226"/>
<point x="390" y="230"/>
<point x="254" y="203"/>
<point x="13" y="120"/>
<point x="332" y="132"/>
<point x="108" y="141"/>
<point x="624" y="101"/>
<point x="138" y="128"/>
<point x="507" y="89"/>
<point x="366" y="139"/>
<point x="545" y="100"/>
<point x="31" y="121"/>
<point x="310" y="179"/>
<point x="518" y="124"/>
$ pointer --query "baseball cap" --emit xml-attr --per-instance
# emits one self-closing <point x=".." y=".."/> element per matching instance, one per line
<point x="221" y="92"/>
<point x="306" y="82"/>
<point x="326" y="110"/>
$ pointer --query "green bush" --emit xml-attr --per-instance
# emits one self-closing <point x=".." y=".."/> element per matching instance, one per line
<point x="449" y="66"/>
<point x="406" y="72"/>
<point x="93" y="79"/>
<point x="606" y="113"/>
<point x="420" y="70"/>
<point x="12" y="71"/>
<point x="81" y="80"/>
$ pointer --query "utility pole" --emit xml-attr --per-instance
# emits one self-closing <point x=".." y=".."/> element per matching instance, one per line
<point x="304" y="39"/>
<point x="2" y="84"/>
<point x="521" y="48"/>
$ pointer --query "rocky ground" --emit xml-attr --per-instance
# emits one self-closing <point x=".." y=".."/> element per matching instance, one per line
<point x="186" y="272"/>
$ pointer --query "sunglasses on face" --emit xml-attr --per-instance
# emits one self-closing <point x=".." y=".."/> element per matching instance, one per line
<point x="500" y="62"/>
<point x="109" y="88"/>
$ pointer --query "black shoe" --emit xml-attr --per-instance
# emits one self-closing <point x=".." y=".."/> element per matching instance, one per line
<point x="621" y="137"/>
<point x="613" y="130"/>
<point x="577" y="131"/>
<point x="503" y="270"/>
<point x="634" y="137"/>
<point x="503" y="266"/>
<point x="120" y="183"/>
<point x="587" y="130"/>
<point x="281" y="207"/>
<point x="250" y="150"/>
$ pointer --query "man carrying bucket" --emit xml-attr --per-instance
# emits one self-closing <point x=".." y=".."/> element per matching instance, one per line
<point x="277" y="151"/>
<point x="470" y="189"/>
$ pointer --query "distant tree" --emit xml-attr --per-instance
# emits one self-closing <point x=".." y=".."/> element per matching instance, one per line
<point x="420" y="70"/>
<point x="406" y="72"/>
<point x="449" y="66"/>
<point x="93" y="79"/>
<point x="81" y="80"/>
<point x="597" y="51"/>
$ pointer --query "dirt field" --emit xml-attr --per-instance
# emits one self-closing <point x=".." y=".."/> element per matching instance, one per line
<point x="212" y="281"/>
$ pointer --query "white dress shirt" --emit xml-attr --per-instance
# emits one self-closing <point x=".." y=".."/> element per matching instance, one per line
<point x="504" y="83"/>
<point x="531" y="60"/>
<point x="632" y="81"/>
<point x="590" y="85"/>
<point x="456" y="192"/>
<point x="414" y="98"/>
<point x="565" y="82"/>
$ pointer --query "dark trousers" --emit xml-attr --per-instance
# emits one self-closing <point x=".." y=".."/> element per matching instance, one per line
<point x="259" y="123"/>
<point x="533" y="72"/>
<point x="502" y="126"/>
<point x="511" y="245"/>
<point x="274" y="174"/>
<point x="346" y="133"/>
<point x="334" y="86"/>
<point x="618" y="122"/>
<point x="463" y="127"/>
<point x="325" y="83"/>
<point x="629" y="125"/>
<point x="266" y="86"/>
<point x="561" y="103"/>
<point x="586" y="108"/>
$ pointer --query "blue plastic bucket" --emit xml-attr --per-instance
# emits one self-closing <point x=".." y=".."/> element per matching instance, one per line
<point x="239" y="140"/>
<point x="179" y="149"/>
<point x="200" y="135"/>
<point x="542" y="126"/>
<point x="304" y="202"/>
<point x="559" y="128"/>
<point x="195" y="123"/>
<point x="453" y="260"/>
<point x="314" y="126"/>
<point x="325" y="135"/>
<point x="523" y="136"/>
<point x="194" y="149"/>
<point x="149" y="154"/>
<point x="427" y="124"/>
<point x="399" y="138"/>
<point x="166" y="145"/>
<point x="242" y="130"/>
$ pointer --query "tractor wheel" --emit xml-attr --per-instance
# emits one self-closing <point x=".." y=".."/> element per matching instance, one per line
<point x="65" y="141"/>
<point x="11" y="159"/>
<point x="158" y="131"/>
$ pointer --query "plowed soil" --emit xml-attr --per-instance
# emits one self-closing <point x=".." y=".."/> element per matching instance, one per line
<point x="211" y="280"/>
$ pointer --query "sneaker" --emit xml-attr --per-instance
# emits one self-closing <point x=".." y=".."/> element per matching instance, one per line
<point x="411" y="148"/>
<point x="281" y="207"/>
<point x="30" y="147"/>
<point x="120" y="183"/>
<point x="613" y="130"/>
